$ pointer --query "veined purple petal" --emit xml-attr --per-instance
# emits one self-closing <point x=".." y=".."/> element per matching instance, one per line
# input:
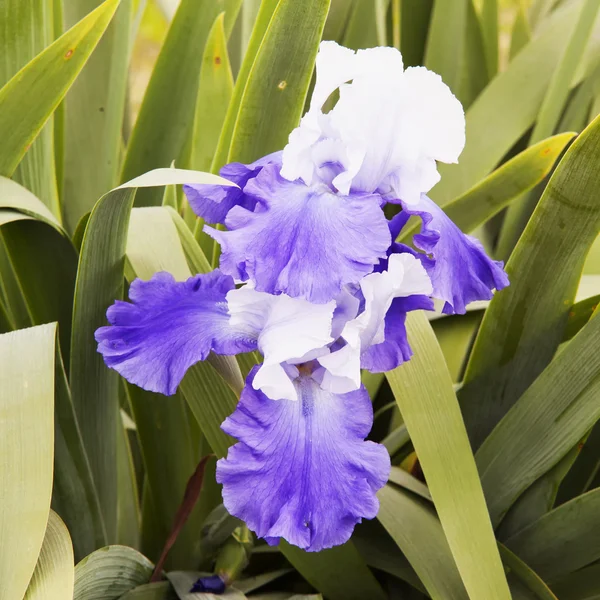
<point x="462" y="271"/>
<point x="213" y="202"/>
<point x="167" y="327"/>
<point x="302" y="470"/>
<point x="302" y="241"/>
<point x="395" y="350"/>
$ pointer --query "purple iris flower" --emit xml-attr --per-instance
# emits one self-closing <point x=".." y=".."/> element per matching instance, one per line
<point x="310" y="277"/>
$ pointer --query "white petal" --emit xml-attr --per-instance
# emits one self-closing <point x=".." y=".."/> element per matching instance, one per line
<point x="286" y="328"/>
<point x="385" y="133"/>
<point x="342" y="370"/>
<point x="275" y="382"/>
<point x="335" y="65"/>
<point x="405" y="276"/>
<point x="408" y="275"/>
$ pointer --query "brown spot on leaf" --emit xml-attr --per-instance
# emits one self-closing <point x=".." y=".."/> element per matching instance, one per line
<point x="69" y="53"/>
<point x="217" y="60"/>
<point x="282" y="85"/>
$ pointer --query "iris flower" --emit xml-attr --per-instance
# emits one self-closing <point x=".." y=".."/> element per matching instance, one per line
<point x="311" y="277"/>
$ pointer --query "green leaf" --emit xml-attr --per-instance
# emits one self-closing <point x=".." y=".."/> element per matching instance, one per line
<point x="338" y="573"/>
<point x="562" y="541"/>
<point x="42" y="258"/>
<point x="526" y="78"/>
<point x="416" y="530"/>
<point x="489" y="29"/>
<point x="577" y="113"/>
<point x="261" y="23"/>
<point x="99" y="284"/>
<point x="549" y="419"/>
<point x="277" y="84"/>
<point x="361" y="28"/>
<point x="162" y="423"/>
<point x="32" y="95"/>
<point x="337" y="19"/>
<point x="95" y="388"/>
<point x="74" y="495"/>
<point x="530" y="585"/>
<point x="53" y="577"/>
<point x="586" y="467"/>
<point x="171" y="93"/>
<point x="549" y="114"/>
<point x="25" y="30"/>
<point x="214" y="94"/>
<point x="538" y="499"/>
<point x="423" y="390"/>
<point x="93" y="110"/>
<point x="26" y="452"/>
<point x="525" y="323"/>
<point x="486" y="199"/>
<point x="581" y="585"/>
<point x="128" y="506"/>
<point x="415" y="19"/>
<point x="521" y="33"/>
<point x="152" y="591"/>
<point x="455" y="48"/>
<point x="109" y="573"/>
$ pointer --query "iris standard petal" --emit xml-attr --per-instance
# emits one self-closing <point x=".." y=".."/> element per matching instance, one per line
<point x="213" y="202"/>
<point x="167" y="327"/>
<point x="302" y="470"/>
<point x="385" y="133"/>
<point x="301" y="241"/>
<point x="461" y="272"/>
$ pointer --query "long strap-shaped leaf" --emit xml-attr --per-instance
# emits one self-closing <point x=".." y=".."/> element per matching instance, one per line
<point x="562" y="541"/>
<point x="526" y="78"/>
<point x="423" y="390"/>
<point x="99" y="283"/>
<point x="172" y="94"/>
<point x="416" y="529"/>
<point x="550" y="112"/>
<point x="525" y="323"/>
<point x="32" y="95"/>
<point x="546" y="422"/>
<point x="502" y="186"/>
<point x="94" y="110"/>
<point x="26" y="452"/>
<point x="54" y="574"/>
<point x="25" y="30"/>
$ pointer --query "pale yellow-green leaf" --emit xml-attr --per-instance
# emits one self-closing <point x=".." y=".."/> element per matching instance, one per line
<point x="54" y="574"/>
<point x="26" y="452"/>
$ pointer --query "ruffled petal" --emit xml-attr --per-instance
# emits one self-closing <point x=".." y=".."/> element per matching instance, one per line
<point x="167" y="327"/>
<point x="213" y="202"/>
<point x="301" y="241"/>
<point x="385" y="133"/>
<point x="302" y="470"/>
<point x="461" y="272"/>
<point x="287" y="329"/>
<point x="404" y="279"/>
<point x="394" y="350"/>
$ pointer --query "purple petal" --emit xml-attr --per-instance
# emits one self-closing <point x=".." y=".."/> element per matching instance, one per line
<point x="462" y="271"/>
<point x="302" y="241"/>
<point x="395" y="350"/>
<point x="168" y="327"/>
<point x="302" y="470"/>
<point x="213" y="202"/>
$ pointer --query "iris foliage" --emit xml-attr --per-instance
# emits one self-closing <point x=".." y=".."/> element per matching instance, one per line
<point x="479" y="476"/>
